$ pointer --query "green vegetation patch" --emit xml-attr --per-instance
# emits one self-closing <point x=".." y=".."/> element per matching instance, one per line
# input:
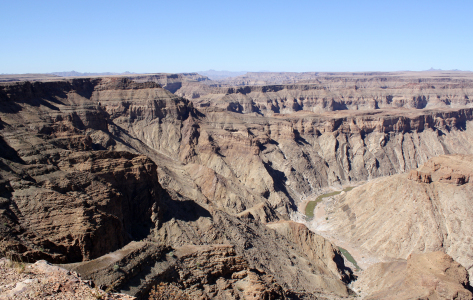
<point x="309" y="209"/>
<point x="349" y="258"/>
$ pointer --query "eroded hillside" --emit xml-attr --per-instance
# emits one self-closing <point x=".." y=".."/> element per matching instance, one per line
<point x="424" y="210"/>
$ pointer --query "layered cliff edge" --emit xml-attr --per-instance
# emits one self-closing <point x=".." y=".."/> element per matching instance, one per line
<point x="271" y="93"/>
<point x="84" y="157"/>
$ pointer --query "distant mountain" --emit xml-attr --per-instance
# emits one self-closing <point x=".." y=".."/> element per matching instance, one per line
<point x="218" y="75"/>
<point x="77" y="74"/>
<point x="454" y="70"/>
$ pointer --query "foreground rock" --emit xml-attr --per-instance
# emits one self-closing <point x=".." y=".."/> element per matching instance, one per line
<point x="215" y="272"/>
<point x="428" y="209"/>
<point x="44" y="281"/>
<point x="433" y="275"/>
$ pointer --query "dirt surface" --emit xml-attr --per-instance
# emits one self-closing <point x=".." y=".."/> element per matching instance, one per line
<point x="44" y="281"/>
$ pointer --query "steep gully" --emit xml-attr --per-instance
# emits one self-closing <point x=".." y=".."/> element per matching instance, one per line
<point x="219" y="169"/>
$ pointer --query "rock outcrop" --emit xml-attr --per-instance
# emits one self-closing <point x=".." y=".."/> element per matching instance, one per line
<point x="215" y="272"/>
<point x="78" y="206"/>
<point x="187" y="272"/>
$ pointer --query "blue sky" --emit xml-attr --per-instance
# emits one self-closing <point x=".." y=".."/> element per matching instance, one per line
<point x="183" y="36"/>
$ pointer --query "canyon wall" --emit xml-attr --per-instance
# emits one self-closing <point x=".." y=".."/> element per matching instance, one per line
<point x="321" y="97"/>
<point x="269" y="93"/>
<point x="235" y="160"/>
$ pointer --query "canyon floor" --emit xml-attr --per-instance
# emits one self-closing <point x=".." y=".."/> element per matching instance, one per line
<point x="175" y="186"/>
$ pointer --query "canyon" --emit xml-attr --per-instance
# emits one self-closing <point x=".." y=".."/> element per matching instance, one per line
<point x="198" y="187"/>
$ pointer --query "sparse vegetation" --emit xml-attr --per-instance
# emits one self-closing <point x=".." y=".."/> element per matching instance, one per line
<point x="349" y="258"/>
<point x="98" y="294"/>
<point x="18" y="265"/>
<point x="167" y="291"/>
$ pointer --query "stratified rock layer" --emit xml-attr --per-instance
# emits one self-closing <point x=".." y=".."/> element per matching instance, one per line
<point x="79" y="206"/>
<point x="271" y="93"/>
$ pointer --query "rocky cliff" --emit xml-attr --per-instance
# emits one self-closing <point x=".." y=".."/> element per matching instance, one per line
<point x="291" y="157"/>
<point x="78" y="206"/>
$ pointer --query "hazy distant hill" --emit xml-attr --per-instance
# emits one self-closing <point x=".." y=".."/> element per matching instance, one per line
<point x="217" y="75"/>
<point x="75" y="74"/>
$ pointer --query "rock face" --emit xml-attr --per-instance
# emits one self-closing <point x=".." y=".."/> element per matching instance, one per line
<point x="79" y="206"/>
<point x="131" y="270"/>
<point x="215" y="272"/>
<point x="326" y="256"/>
<point x="428" y="209"/>
<point x="263" y="248"/>
<point x="433" y="275"/>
